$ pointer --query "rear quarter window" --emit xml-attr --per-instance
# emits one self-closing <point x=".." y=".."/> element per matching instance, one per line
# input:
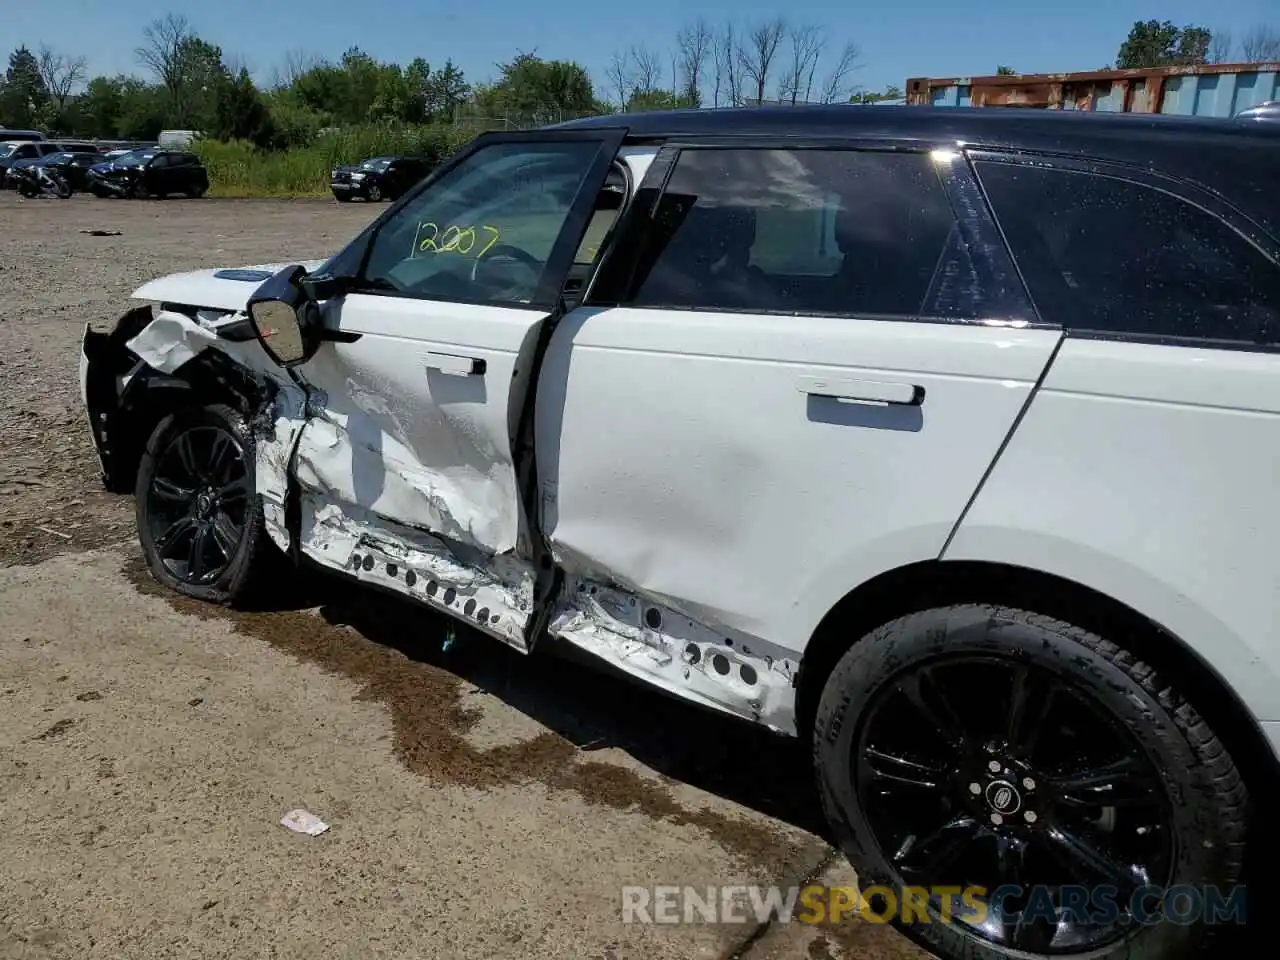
<point x="1114" y="257"/>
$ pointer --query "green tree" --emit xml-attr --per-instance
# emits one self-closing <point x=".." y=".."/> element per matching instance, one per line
<point x="189" y="69"/>
<point x="1003" y="71"/>
<point x="143" y="109"/>
<point x="239" y="112"/>
<point x="24" y="101"/>
<point x="540" y="91"/>
<point x="446" y="88"/>
<point x="1158" y="43"/>
<point x="890" y="92"/>
<point x="100" y="107"/>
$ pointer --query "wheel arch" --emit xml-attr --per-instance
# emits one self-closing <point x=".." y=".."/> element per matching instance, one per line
<point x="934" y="583"/>
<point x="124" y="418"/>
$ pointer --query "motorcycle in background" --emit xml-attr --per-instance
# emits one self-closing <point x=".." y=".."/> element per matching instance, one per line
<point x="37" y="181"/>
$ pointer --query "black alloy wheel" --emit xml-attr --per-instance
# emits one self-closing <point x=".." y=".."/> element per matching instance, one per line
<point x="199" y="516"/>
<point x="960" y="787"/>
<point x="1042" y="788"/>
<point x="198" y="503"/>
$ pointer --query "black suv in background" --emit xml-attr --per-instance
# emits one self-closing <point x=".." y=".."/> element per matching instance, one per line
<point x="149" y="173"/>
<point x="378" y="178"/>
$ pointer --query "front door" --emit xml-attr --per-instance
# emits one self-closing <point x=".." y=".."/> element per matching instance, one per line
<point x="406" y="461"/>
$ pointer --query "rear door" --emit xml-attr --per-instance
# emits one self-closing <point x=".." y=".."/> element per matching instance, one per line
<point x="416" y="406"/>
<point x="796" y="383"/>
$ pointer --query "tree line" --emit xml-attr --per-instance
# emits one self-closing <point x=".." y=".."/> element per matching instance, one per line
<point x="186" y="82"/>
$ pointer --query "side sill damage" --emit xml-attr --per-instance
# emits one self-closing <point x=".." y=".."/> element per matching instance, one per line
<point x="496" y="597"/>
<point x="755" y="681"/>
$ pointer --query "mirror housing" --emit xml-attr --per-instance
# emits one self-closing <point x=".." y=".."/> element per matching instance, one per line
<point x="285" y="318"/>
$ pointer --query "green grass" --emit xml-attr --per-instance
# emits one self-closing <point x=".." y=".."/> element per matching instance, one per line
<point x="239" y="169"/>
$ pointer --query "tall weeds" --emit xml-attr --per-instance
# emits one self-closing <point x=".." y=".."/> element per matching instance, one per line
<point x="239" y="169"/>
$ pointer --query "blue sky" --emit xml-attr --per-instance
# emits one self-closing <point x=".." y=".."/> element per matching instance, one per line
<point x="898" y="38"/>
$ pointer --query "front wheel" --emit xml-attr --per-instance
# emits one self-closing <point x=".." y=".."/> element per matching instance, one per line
<point x="1041" y="773"/>
<point x="374" y="193"/>
<point x="198" y="514"/>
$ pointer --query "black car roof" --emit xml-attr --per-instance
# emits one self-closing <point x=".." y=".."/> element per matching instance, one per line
<point x="1237" y="159"/>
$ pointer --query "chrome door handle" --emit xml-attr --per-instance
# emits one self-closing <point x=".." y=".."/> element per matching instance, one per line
<point x="452" y="363"/>
<point x="862" y="391"/>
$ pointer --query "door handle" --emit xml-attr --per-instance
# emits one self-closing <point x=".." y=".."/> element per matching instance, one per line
<point x="452" y="363"/>
<point x="862" y="391"/>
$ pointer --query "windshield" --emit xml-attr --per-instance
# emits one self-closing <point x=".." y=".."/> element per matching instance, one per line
<point x="136" y="156"/>
<point x="376" y="165"/>
<point x="57" y="158"/>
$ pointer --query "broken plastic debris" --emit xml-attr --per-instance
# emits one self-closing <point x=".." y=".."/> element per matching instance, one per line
<point x="300" y="821"/>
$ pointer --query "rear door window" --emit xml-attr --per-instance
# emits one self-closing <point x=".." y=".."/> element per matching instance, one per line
<point x="811" y="231"/>
<point x="1115" y="257"/>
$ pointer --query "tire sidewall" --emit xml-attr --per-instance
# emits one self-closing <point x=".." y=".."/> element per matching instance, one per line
<point x="231" y="582"/>
<point x="872" y="664"/>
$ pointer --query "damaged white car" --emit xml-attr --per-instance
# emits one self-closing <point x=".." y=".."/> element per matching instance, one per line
<point x="945" y="438"/>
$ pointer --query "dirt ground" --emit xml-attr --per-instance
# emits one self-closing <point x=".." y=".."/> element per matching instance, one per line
<point x="482" y="804"/>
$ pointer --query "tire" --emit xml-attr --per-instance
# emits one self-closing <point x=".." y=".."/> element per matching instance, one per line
<point x="140" y="192"/>
<point x="374" y="193"/>
<point x="231" y="563"/>
<point x="876" y="770"/>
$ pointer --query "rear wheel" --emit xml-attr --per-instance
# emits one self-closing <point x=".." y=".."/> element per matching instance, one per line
<point x="198" y="514"/>
<point x="989" y="747"/>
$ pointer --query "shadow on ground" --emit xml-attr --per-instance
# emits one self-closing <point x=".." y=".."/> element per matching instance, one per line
<point x="397" y="651"/>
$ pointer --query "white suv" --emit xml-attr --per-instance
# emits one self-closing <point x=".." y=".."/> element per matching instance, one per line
<point x="947" y="439"/>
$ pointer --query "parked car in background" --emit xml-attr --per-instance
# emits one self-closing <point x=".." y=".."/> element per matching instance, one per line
<point x="14" y="151"/>
<point x="150" y="173"/>
<point x="378" y="178"/>
<point x="25" y="135"/>
<point x="74" y="166"/>
<point x="944" y="439"/>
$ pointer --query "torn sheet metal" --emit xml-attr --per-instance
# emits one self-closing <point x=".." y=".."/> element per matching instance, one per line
<point x="377" y="472"/>
<point x="494" y="594"/>
<point x="752" y="680"/>
<point x="275" y="434"/>
<point x="170" y="341"/>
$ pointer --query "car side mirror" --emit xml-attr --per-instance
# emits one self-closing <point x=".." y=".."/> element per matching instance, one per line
<point x="285" y="319"/>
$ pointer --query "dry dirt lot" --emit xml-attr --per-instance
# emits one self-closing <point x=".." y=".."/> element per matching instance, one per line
<point x="482" y="804"/>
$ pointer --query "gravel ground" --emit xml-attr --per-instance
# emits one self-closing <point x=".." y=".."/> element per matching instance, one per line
<point x="482" y="804"/>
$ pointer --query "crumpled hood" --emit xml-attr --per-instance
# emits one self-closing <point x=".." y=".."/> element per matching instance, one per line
<point x="222" y="288"/>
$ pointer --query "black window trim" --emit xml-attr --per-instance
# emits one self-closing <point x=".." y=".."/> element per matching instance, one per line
<point x="560" y="260"/>
<point x="615" y="282"/>
<point x="1185" y="191"/>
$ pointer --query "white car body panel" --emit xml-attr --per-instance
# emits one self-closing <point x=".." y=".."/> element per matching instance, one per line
<point x="681" y="458"/>
<point x="1149" y="474"/>
<point x="400" y="434"/>
<point x="203" y="288"/>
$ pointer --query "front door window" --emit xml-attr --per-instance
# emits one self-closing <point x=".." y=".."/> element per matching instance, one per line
<point x="484" y="231"/>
